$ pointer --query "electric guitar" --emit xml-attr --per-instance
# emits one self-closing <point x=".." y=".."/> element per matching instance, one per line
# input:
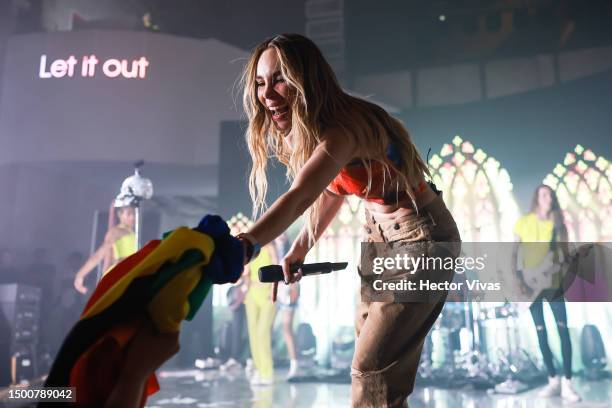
<point x="540" y="277"/>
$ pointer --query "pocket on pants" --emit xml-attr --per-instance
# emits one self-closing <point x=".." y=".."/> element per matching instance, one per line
<point x="418" y="234"/>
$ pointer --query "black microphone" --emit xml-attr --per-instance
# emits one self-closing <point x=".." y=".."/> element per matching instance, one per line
<point x="274" y="273"/>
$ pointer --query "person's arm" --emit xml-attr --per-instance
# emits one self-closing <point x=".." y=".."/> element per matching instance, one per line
<point x="563" y="243"/>
<point x="108" y="260"/>
<point x="521" y="282"/>
<point x="94" y="260"/>
<point x="334" y="152"/>
<point x="330" y="205"/>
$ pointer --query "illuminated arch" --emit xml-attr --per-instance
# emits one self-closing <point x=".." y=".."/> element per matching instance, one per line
<point x="583" y="186"/>
<point x="328" y="302"/>
<point x="477" y="190"/>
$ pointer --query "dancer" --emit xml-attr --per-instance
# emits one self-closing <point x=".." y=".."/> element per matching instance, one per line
<point x="334" y="144"/>
<point x="260" y="317"/>
<point x="288" y="296"/>
<point x="235" y="297"/>
<point x="539" y="233"/>
<point x="119" y="243"/>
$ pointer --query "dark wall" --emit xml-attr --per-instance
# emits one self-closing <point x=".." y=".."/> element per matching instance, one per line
<point x="251" y="21"/>
<point x="405" y="34"/>
<point x="234" y="168"/>
<point x="528" y="133"/>
<point x="8" y="19"/>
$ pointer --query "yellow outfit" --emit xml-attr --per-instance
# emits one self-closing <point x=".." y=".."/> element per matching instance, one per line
<point x="532" y="229"/>
<point x="124" y="246"/>
<point x="260" y="316"/>
<point x="536" y="235"/>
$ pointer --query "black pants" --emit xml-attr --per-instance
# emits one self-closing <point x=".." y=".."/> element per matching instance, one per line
<point x="557" y="305"/>
<point x="237" y="341"/>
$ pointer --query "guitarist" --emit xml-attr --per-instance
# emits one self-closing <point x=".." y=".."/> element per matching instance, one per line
<point x="540" y="234"/>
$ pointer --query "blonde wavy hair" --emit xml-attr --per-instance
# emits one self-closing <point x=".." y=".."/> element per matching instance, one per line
<point x="317" y="102"/>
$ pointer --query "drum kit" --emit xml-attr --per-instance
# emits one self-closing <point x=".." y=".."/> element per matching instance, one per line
<point x="465" y="358"/>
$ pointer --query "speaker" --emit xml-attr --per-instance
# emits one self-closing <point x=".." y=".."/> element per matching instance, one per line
<point x="306" y="342"/>
<point x="19" y="332"/>
<point x="593" y="352"/>
<point x="342" y="350"/>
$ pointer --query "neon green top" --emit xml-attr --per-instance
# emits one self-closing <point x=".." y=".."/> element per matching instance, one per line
<point x="531" y="229"/>
<point x="258" y="290"/>
<point x="124" y="246"/>
<point x="536" y="235"/>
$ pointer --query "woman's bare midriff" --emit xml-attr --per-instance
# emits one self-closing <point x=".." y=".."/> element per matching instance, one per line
<point x="389" y="212"/>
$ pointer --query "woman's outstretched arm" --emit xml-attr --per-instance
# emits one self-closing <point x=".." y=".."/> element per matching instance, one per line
<point x="334" y="152"/>
<point x="94" y="260"/>
<point x="330" y="206"/>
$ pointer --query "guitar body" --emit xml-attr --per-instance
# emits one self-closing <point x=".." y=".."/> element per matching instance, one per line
<point x="541" y="277"/>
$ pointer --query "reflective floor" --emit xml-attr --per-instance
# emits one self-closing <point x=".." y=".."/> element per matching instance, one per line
<point x="197" y="388"/>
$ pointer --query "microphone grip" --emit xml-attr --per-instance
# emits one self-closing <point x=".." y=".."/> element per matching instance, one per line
<point x="274" y="273"/>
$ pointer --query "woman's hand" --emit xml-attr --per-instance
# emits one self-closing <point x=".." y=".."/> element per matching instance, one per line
<point x="295" y="255"/>
<point x="78" y="284"/>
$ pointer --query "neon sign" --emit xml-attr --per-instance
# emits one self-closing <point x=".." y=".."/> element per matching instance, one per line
<point x="87" y="67"/>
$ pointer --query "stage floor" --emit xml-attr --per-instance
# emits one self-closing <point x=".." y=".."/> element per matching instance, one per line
<point x="210" y="388"/>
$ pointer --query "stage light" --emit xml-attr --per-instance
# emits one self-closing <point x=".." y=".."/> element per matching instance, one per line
<point x="477" y="189"/>
<point x="442" y="17"/>
<point x="584" y="190"/>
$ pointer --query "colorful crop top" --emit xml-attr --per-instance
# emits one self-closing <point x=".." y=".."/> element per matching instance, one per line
<point x="353" y="180"/>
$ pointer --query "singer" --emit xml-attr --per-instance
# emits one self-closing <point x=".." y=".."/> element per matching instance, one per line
<point x="333" y="145"/>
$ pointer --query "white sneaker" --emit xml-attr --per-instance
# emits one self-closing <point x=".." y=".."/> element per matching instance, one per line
<point x="254" y="380"/>
<point x="257" y="379"/>
<point x="567" y="391"/>
<point x="207" y="364"/>
<point x="553" y="388"/>
<point x="249" y="368"/>
<point x="293" y="369"/>
<point x="266" y="381"/>
<point x="230" y="364"/>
